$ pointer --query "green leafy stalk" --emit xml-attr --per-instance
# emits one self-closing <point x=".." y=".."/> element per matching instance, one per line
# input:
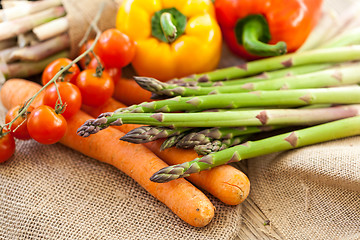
<point x="332" y="77"/>
<point x="219" y="145"/>
<point x="288" y="117"/>
<point x="298" y="97"/>
<point x="287" y="72"/>
<point x="328" y="55"/>
<point x="146" y="134"/>
<point x="206" y="136"/>
<point x="308" y="136"/>
<point x="345" y="75"/>
<point x="171" y="141"/>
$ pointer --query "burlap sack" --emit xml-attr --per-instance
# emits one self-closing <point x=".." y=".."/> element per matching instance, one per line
<point x="80" y="13"/>
<point x="53" y="192"/>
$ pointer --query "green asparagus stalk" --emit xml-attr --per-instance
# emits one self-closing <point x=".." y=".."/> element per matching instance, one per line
<point x="297" y="97"/>
<point x="328" y="55"/>
<point x="288" y="117"/>
<point x="171" y="141"/>
<point x="345" y="75"/>
<point x="287" y="72"/>
<point x="25" y="69"/>
<point x="146" y="134"/>
<point x="308" y="136"/>
<point x="206" y="136"/>
<point x="219" y="145"/>
<point x="42" y="50"/>
<point x="349" y="37"/>
<point x="9" y="29"/>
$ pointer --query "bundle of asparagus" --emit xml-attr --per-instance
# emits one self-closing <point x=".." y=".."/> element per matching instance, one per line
<point x="222" y="114"/>
<point x="32" y="34"/>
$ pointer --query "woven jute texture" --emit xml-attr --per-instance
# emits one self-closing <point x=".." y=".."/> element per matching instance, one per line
<point x="311" y="193"/>
<point x="80" y="13"/>
<point x="53" y="192"/>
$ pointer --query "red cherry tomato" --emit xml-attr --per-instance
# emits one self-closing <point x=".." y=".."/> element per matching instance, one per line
<point x="45" y="125"/>
<point x="115" y="48"/>
<point x="95" y="90"/>
<point x="54" y="67"/>
<point x="7" y="146"/>
<point x="84" y="62"/>
<point x="19" y="127"/>
<point x="115" y="73"/>
<point x="70" y="95"/>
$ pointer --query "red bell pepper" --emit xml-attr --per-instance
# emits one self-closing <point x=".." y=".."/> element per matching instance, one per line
<point x="260" y="28"/>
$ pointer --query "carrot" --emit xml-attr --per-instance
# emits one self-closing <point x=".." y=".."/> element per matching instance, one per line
<point x="186" y="201"/>
<point x="129" y="92"/>
<point x="228" y="184"/>
<point x="18" y="95"/>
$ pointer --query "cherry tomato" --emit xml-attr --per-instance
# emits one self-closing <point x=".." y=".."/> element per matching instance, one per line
<point x="45" y="125"/>
<point x="55" y="66"/>
<point x="115" y="73"/>
<point x="19" y="127"/>
<point x="7" y="146"/>
<point x="115" y="48"/>
<point x="70" y="95"/>
<point x="95" y="90"/>
<point x="84" y="62"/>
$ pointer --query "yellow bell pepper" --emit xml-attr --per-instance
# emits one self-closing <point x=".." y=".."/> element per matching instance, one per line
<point x="174" y="38"/>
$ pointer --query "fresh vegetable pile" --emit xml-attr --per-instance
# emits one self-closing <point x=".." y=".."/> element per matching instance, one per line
<point x="221" y="118"/>
<point x="53" y="111"/>
<point x="200" y="118"/>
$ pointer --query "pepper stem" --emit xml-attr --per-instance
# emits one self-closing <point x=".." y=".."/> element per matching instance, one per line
<point x="168" y="25"/>
<point x="254" y="34"/>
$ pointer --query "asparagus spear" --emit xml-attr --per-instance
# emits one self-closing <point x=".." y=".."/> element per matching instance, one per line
<point x="146" y="134"/>
<point x="42" y="50"/>
<point x="226" y="119"/>
<point x="205" y="136"/>
<point x="51" y="29"/>
<point x="291" y="71"/>
<point x="9" y="29"/>
<point x="27" y="8"/>
<point x="25" y="69"/>
<point x="340" y="76"/>
<point x="297" y="97"/>
<point x="171" y="141"/>
<point x="308" y="136"/>
<point x="328" y="55"/>
<point x="219" y="145"/>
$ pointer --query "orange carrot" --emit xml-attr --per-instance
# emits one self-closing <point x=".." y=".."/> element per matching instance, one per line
<point x="227" y="183"/>
<point x="17" y="96"/>
<point x="129" y="92"/>
<point x="186" y="201"/>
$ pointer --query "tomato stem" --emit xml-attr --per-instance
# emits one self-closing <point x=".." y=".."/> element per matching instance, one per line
<point x="99" y="67"/>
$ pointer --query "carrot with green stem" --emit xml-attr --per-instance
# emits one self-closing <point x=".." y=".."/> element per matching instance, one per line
<point x="228" y="184"/>
<point x="138" y="162"/>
